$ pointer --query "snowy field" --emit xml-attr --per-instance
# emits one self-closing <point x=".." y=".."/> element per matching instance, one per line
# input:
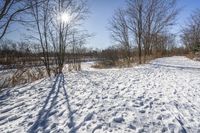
<point x="162" y="96"/>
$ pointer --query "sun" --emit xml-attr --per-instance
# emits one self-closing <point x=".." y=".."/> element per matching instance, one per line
<point x="65" y="17"/>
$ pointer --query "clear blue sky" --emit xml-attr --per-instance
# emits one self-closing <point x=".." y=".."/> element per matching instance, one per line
<point x="101" y="12"/>
<point x="98" y="22"/>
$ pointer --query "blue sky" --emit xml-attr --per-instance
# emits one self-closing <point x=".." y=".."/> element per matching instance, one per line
<point x="102" y="11"/>
<point x="98" y="22"/>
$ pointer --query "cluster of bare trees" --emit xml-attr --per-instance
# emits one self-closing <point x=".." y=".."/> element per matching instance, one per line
<point x="120" y="32"/>
<point x="191" y="32"/>
<point x="18" y="54"/>
<point x="144" y="23"/>
<point x="53" y="24"/>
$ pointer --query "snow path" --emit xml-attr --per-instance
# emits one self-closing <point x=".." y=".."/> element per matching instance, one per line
<point x="157" y="97"/>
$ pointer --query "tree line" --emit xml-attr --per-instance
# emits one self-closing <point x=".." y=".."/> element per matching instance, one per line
<point x="15" y="55"/>
<point x="144" y="27"/>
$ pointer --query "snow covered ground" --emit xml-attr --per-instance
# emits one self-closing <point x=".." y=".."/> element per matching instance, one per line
<point x="162" y="96"/>
<point x="179" y="62"/>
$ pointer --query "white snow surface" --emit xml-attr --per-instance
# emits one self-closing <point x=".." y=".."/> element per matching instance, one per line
<point x="162" y="96"/>
<point x="179" y="62"/>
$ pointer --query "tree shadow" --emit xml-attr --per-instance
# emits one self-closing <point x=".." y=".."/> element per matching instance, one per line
<point x="44" y="113"/>
<point x="72" y="125"/>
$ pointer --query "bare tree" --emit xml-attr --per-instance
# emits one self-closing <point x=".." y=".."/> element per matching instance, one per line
<point x="9" y="11"/>
<point x="120" y="32"/>
<point x="191" y="32"/>
<point x="135" y="13"/>
<point x="78" y="40"/>
<point x="159" y="17"/>
<point x="40" y="13"/>
<point x="55" y="21"/>
<point x="163" y="43"/>
<point x="148" y="18"/>
<point x="70" y="14"/>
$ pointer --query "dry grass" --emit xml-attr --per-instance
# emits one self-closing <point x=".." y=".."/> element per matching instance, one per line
<point x="74" y="67"/>
<point x="103" y="64"/>
<point x="191" y="55"/>
<point x="22" y="76"/>
<point x="111" y="64"/>
<point x="123" y="63"/>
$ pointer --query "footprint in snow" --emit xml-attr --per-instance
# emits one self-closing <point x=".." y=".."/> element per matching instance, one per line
<point x="172" y="127"/>
<point x="164" y="129"/>
<point x="89" y="116"/>
<point x="159" y="117"/>
<point x="142" y="111"/>
<point x="131" y="126"/>
<point x="162" y="110"/>
<point x="141" y="131"/>
<point x="119" y="119"/>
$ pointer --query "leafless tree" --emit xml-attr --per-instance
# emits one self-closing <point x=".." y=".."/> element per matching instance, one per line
<point x="70" y="14"/>
<point x="135" y="13"/>
<point x="10" y="11"/>
<point x="55" y="21"/>
<point x="159" y="17"/>
<point x="40" y="13"/>
<point x="163" y="43"/>
<point x="120" y="32"/>
<point x="191" y="32"/>
<point x="148" y="18"/>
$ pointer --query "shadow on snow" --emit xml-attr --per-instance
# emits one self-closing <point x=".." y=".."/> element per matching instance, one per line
<point x="50" y="102"/>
